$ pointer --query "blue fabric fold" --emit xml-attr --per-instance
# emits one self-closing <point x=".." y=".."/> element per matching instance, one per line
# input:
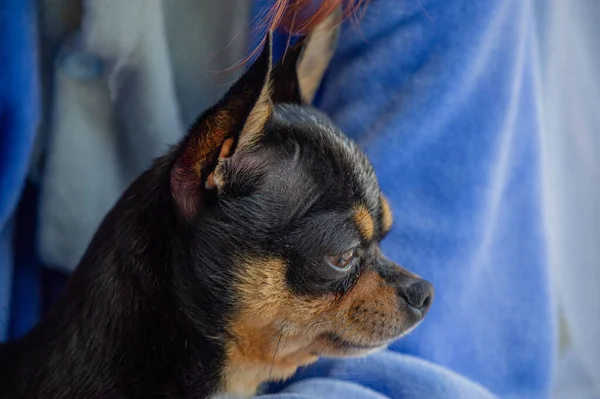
<point x="19" y="115"/>
<point x="382" y="375"/>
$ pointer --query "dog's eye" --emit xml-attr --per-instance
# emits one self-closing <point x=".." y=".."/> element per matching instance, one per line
<point x="343" y="262"/>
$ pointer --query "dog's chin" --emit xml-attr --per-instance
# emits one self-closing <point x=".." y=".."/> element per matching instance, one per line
<point x="337" y="346"/>
<point x="342" y="348"/>
<point x="333" y="345"/>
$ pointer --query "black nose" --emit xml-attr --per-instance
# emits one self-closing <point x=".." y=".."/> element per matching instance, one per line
<point x="418" y="294"/>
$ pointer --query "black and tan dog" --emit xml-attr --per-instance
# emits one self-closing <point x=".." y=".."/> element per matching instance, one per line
<point x="249" y="250"/>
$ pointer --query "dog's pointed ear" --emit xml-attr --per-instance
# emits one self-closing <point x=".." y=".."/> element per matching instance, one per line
<point x="232" y="124"/>
<point x="296" y="78"/>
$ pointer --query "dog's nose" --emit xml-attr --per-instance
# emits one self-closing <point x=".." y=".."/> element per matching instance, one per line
<point x="418" y="294"/>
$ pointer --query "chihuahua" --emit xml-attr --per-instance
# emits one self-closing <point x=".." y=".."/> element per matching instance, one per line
<point x="248" y="250"/>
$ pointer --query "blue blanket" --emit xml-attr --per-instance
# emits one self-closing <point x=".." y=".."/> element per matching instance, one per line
<point x="383" y="375"/>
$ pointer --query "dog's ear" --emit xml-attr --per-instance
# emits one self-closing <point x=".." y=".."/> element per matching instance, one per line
<point x="235" y="122"/>
<point x="297" y="77"/>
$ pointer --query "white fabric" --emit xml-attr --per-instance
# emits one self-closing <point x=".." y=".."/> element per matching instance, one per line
<point x="571" y="120"/>
<point x="117" y="104"/>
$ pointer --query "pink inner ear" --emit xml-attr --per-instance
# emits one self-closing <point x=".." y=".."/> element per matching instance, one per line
<point x="226" y="148"/>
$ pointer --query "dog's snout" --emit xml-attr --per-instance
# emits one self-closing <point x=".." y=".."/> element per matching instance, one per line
<point x="418" y="293"/>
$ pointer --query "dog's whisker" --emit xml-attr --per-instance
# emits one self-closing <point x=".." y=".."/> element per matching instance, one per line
<point x="284" y="343"/>
<point x="327" y="342"/>
<point x="277" y="334"/>
<point x="274" y="356"/>
<point x="323" y="349"/>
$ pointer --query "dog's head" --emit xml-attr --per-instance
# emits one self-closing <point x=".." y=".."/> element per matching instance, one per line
<point x="292" y="211"/>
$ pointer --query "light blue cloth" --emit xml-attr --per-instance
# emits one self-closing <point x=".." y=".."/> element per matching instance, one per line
<point x="382" y="375"/>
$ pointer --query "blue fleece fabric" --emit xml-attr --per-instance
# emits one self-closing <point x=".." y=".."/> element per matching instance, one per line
<point x="19" y="109"/>
<point x="382" y="375"/>
<point x="442" y="97"/>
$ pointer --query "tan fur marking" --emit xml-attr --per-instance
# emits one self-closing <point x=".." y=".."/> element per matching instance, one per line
<point x="364" y="222"/>
<point x="258" y="118"/>
<point x="269" y="343"/>
<point x="372" y="313"/>
<point x="226" y="148"/>
<point x="387" y="218"/>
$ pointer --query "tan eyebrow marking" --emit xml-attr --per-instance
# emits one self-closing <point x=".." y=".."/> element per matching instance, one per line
<point x="387" y="218"/>
<point x="364" y="222"/>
